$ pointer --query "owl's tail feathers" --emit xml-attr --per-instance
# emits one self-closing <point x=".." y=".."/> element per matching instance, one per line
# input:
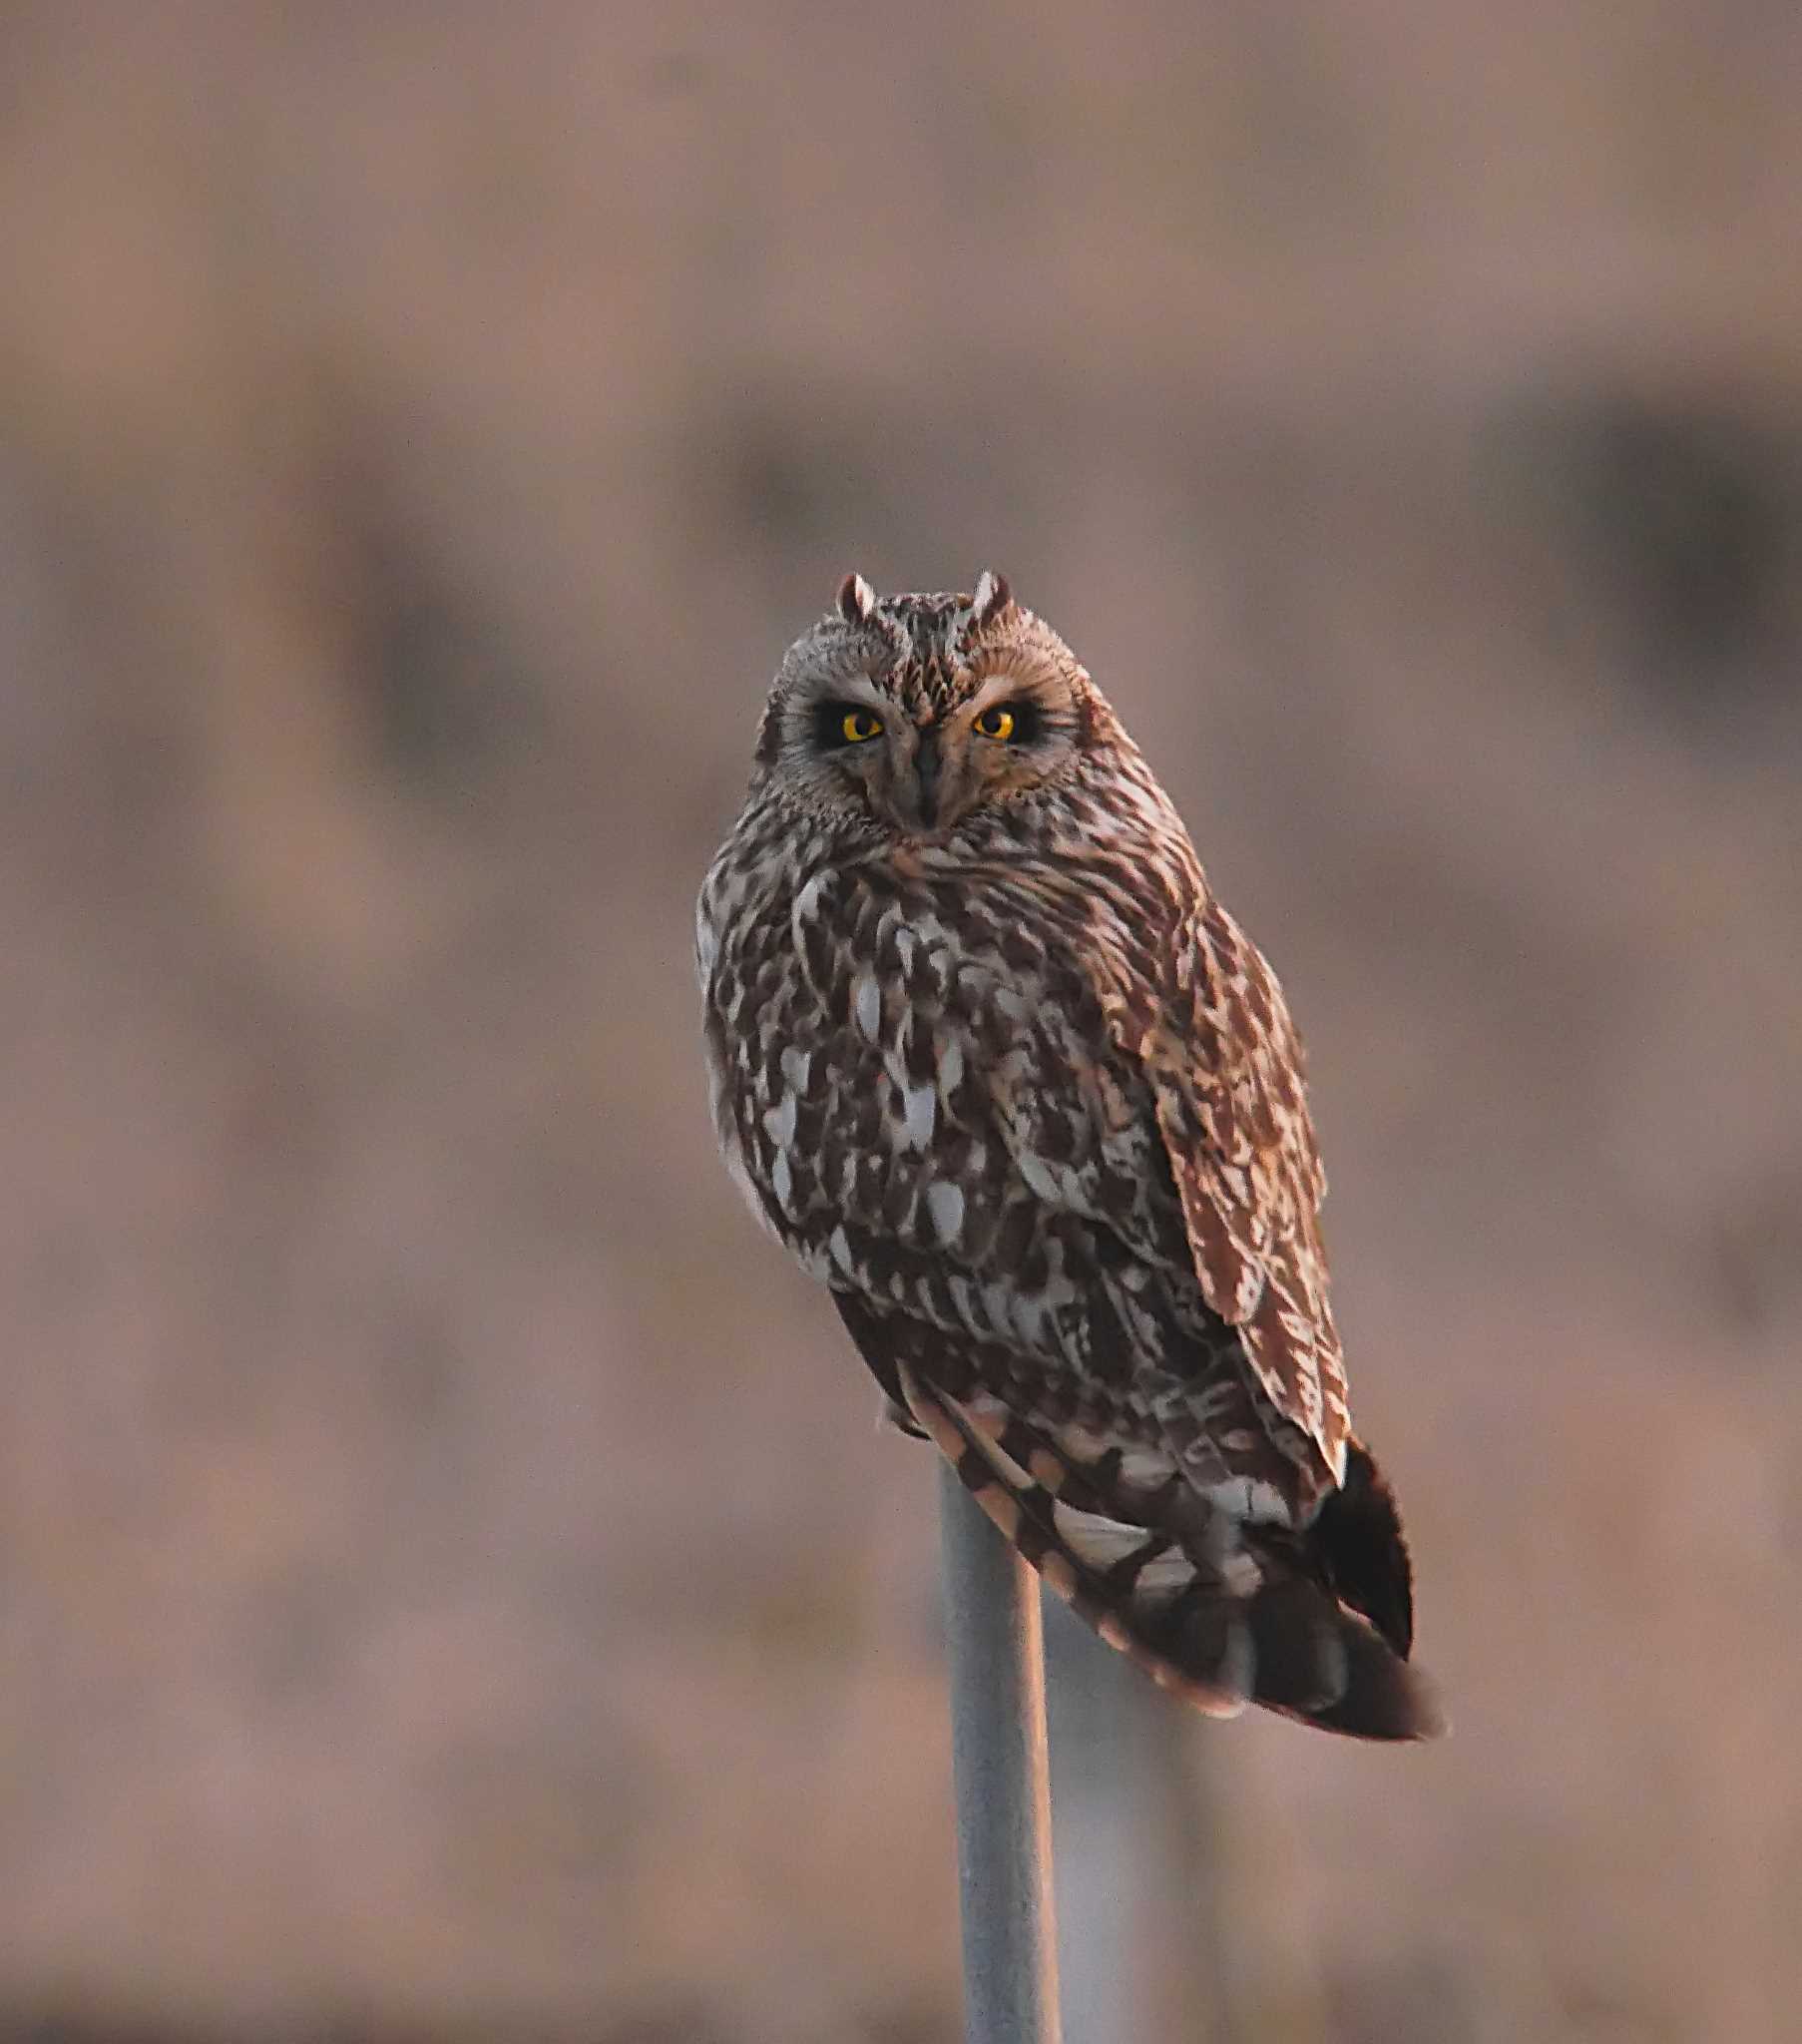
<point x="1254" y="1629"/>
<point x="1324" y="1664"/>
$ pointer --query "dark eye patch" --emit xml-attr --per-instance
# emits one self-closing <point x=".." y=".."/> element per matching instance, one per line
<point x="1029" y="720"/>
<point x="829" y="733"/>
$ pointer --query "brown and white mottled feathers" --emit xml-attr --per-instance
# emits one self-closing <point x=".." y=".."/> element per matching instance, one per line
<point x="992" y="1062"/>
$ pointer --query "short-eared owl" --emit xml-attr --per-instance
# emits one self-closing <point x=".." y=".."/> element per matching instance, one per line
<point x="1000" y="1073"/>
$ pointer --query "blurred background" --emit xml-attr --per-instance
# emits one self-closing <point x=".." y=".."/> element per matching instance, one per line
<point x="451" y="1586"/>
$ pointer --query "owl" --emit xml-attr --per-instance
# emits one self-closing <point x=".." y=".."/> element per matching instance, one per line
<point x="999" y="1071"/>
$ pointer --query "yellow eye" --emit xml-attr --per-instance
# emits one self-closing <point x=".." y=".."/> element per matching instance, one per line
<point x="995" y="721"/>
<point x="857" y="727"/>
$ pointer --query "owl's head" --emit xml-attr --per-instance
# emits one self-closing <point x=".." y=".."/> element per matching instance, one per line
<point x="917" y="712"/>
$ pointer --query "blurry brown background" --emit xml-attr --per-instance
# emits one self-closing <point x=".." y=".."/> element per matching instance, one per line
<point x="450" y="1585"/>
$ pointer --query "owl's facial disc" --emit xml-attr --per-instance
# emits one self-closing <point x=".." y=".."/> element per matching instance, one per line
<point x="917" y="712"/>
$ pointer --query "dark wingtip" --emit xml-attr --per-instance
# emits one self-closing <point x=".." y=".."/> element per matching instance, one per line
<point x="1357" y="1544"/>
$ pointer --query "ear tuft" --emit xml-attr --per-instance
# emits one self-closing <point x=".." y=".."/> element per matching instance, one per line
<point x="992" y="598"/>
<point x="856" y="600"/>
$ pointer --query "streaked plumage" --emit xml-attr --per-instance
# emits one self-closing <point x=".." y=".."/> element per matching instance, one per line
<point x="995" y="1066"/>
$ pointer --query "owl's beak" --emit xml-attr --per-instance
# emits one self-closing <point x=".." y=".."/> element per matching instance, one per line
<point x="926" y="766"/>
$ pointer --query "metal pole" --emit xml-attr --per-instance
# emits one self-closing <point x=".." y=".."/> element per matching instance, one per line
<point x="1143" y="1871"/>
<point x="998" y="1755"/>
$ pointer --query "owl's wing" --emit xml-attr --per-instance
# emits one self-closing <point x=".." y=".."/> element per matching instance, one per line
<point x="1224" y="1065"/>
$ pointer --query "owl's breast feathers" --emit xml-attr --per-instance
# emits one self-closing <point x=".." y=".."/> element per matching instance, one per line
<point x="1048" y="1114"/>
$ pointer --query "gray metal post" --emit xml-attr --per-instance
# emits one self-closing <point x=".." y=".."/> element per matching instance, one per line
<point x="1003" y="1786"/>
